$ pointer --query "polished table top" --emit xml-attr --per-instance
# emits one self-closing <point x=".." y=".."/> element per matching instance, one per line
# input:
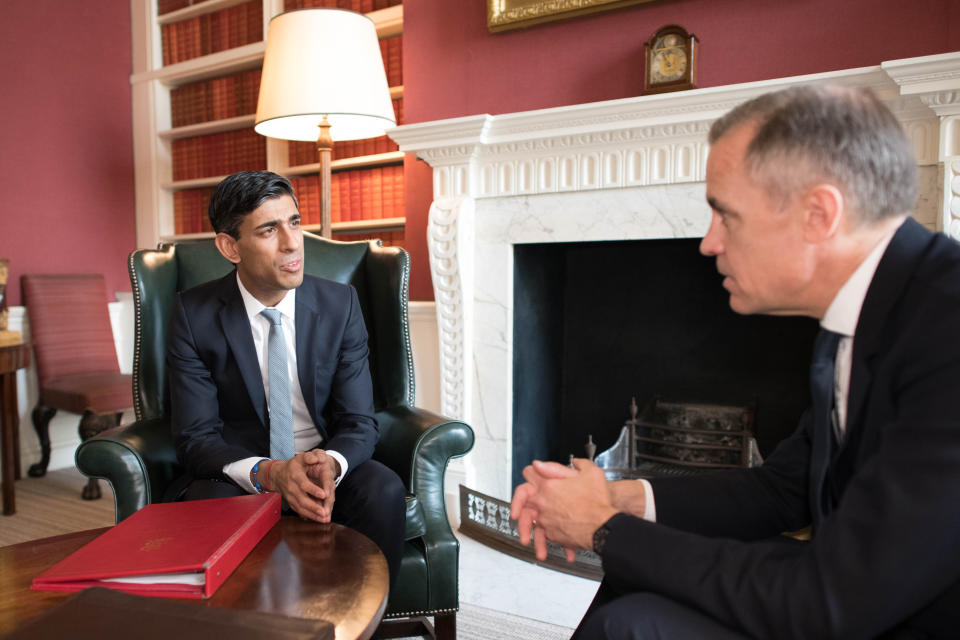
<point x="300" y="569"/>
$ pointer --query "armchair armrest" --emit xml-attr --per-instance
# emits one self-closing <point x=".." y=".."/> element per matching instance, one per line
<point x="418" y="445"/>
<point x="138" y="460"/>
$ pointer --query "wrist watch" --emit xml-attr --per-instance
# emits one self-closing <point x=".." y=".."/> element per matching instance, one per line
<point x="600" y="538"/>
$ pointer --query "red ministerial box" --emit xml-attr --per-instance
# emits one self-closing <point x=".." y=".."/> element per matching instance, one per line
<point x="176" y="549"/>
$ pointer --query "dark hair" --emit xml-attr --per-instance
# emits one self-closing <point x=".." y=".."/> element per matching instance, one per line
<point x="810" y="133"/>
<point x="241" y="193"/>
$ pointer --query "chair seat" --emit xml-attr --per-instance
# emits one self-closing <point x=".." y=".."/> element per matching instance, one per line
<point x="102" y="392"/>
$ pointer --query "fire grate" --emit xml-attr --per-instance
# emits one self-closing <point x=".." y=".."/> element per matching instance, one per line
<point x="487" y="520"/>
<point x="681" y="438"/>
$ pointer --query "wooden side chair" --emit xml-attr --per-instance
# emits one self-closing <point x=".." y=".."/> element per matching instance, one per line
<point x="77" y="365"/>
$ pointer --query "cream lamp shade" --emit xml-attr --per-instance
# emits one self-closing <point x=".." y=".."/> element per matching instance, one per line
<point x="323" y="63"/>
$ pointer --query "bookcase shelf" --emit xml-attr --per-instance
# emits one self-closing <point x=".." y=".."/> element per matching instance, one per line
<point x="206" y="128"/>
<point x="376" y="160"/>
<point x="211" y="137"/>
<point x="352" y="226"/>
<point x="194" y="10"/>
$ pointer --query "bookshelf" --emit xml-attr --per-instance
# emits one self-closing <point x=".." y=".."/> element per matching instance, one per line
<point x="196" y="75"/>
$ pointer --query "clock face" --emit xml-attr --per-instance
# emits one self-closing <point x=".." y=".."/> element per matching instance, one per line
<point x="668" y="59"/>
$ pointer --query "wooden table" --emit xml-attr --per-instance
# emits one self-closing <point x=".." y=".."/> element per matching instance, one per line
<point x="300" y="569"/>
<point x="12" y="358"/>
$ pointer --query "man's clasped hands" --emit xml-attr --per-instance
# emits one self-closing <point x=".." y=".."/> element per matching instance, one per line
<point x="305" y="481"/>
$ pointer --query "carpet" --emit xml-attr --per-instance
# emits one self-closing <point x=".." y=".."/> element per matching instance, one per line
<point x="478" y="623"/>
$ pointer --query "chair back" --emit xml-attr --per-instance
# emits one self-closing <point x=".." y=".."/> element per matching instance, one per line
<point x="69" y="325"/>
<point x="379" y="274"/>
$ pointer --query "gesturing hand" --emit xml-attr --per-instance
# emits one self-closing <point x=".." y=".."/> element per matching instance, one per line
<point x="523" y="511"/>
<point x="568" y="505"/>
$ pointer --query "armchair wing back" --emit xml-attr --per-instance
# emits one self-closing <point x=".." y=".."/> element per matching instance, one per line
<point x="140" y="460"/>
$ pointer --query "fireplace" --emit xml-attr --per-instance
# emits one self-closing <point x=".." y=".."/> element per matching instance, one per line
<point x="597" y="323"/>
<point x="526" y="188"/>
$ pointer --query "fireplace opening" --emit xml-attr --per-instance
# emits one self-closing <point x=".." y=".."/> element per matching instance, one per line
<point x="598" y="323"/>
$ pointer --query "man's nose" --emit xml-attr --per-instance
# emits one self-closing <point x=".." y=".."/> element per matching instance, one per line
<point x="712" y="242"/>
<point x="290" y="237"/>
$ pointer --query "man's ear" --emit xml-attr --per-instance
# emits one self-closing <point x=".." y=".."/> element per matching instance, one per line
<point x="824" y="210"/>
<point x="227" y="246"/>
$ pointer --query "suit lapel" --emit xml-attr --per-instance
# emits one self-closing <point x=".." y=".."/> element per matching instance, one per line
<point x="236" y="328"/>
<point x="897" y="266"/>
<point x="306" y="320"/>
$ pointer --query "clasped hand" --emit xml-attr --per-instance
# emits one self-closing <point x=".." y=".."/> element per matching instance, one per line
<point x="306" y="482"/>
<point x="562" y="505"/>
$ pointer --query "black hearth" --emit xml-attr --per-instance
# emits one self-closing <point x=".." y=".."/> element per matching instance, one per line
<point x="597" y="323"/>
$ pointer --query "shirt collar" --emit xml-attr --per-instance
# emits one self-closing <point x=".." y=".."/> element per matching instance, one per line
<point x="844" y="312"/>
<point x="287" y="306"/>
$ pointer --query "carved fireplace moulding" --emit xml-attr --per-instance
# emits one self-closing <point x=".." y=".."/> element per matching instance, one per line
<point x="636" y="166"/>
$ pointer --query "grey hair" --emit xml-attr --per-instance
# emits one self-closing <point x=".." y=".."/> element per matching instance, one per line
<point x="806" y="134"/>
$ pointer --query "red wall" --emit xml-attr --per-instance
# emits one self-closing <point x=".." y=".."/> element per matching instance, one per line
<point x="66" y="141"/>
<point x="453" y="66"/>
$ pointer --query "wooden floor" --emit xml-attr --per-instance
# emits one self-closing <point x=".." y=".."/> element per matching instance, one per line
<point x="51" y="506"/>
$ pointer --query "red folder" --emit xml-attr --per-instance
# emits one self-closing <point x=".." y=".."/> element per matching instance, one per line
<point x="177" y="549"/>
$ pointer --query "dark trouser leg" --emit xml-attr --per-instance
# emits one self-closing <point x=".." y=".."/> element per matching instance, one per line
<point x="370" y="499"/>
<point x="205" y="488"/>
<point x="632" y="616"/>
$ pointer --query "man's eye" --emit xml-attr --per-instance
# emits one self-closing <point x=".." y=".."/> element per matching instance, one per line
<point x="295" y="223"/>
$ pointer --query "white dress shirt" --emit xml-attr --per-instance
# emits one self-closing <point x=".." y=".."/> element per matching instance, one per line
<point x="305" y="434"/>
<point x="841" y="317"/>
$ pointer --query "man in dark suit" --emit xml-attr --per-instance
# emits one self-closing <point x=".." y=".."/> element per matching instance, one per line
<point x="269" y="382"/>
<point x="810" y="190"/>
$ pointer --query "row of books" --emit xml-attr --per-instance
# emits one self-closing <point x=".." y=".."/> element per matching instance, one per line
<point x="190" y="205"/>
<point x="218" y="154"/>
<point x="190" y="210"/>
<point x="212" y="32"/>
<point x="217" y="99"/>
<point x="391" y="49"/>
<point x="360" y="6"/>
<point x="392" y="238"/>
<point x="359" y="194"/>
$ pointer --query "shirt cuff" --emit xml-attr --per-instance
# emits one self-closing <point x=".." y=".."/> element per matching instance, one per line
<point x="336" y="455"/>
<point x="650" y="512"/>
<point x="239" y="472"/>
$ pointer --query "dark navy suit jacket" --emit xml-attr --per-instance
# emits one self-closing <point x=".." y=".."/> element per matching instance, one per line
<point x="218" y="406"/>
<point x="884" y="505"/>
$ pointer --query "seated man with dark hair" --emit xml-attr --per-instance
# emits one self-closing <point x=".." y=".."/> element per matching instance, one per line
<point x="811" y="189"/>
<point x="267" y="366"/>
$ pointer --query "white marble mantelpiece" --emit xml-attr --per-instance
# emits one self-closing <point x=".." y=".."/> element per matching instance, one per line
<point x="617" y="170"/>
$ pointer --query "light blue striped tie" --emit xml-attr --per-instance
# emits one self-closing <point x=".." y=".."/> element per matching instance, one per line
<point x="281" y="408"/>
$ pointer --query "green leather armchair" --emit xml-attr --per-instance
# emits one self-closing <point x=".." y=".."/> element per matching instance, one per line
<point x="139" y="459"/>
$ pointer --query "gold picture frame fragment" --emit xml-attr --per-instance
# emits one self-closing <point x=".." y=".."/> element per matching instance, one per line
<point x="504" y="15"/>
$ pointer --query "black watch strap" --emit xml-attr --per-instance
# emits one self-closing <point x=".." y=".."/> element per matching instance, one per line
<point x="600" y="538"/>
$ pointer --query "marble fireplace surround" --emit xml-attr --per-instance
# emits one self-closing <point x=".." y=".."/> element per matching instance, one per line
<point x="626" y="169"/>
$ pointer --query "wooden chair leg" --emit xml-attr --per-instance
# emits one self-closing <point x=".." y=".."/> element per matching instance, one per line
<point x="445" y="626"/>
<point x="42" y="414"/>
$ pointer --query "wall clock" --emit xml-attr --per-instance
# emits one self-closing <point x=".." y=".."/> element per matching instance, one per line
<point x="671" y="60"/>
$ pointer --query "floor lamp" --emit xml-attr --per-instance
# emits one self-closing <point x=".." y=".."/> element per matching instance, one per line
<point x="323" y="79"/>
